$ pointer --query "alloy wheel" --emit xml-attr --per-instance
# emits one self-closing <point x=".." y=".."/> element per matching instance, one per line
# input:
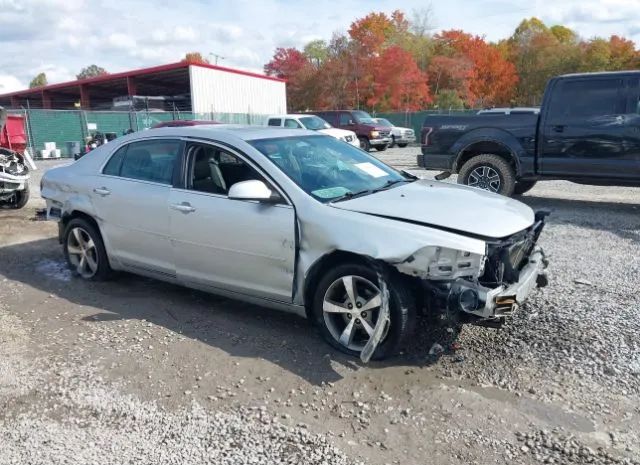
<point x="82" y="252"/>
<point x="485" y="177"/>
<point x="350" y="308"/>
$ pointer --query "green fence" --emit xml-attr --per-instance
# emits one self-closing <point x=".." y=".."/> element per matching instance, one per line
<point x="62" y="126"/>
<point x="415" y="120"/>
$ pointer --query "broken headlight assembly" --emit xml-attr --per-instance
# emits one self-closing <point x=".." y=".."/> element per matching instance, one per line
<point x="443" y="264"/>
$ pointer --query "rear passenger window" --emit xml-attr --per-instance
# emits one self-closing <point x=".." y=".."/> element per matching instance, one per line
<point x="275" y="122"/>
<point x="112" y="167"/>
<point x="151" y="160"/>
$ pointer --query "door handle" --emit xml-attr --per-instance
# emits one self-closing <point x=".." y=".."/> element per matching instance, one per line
<point x="103" y="191"/>
<point x="558" y="128"/>
<point x="184" y="207"/>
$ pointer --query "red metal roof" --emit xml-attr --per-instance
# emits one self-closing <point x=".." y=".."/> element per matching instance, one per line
<point x="138" y="72"/>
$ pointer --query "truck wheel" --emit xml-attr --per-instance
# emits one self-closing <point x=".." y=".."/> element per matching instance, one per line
<point x="393" y="142"/>
<point x="523" y="187"/>
<point x="402" y="145"/>
<point x="381" y="148"/>
<point x="364" y="144"/>
<point x="346" y="305"/>
<point x="22" y="197"/>
<point x="489" y="172"/>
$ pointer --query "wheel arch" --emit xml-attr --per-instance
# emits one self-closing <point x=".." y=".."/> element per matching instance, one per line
<point x="496" y="142"/>
<point x="73" y="214"/>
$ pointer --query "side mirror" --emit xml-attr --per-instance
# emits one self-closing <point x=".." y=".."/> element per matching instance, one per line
<point x="253" y="190"/>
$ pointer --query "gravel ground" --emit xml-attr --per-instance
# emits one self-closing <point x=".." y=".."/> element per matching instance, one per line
<point x="136" y="371"/>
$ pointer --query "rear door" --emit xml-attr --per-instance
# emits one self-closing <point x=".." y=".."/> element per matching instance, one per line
<point x="631" y="147"/>
<point x="584" y="130"/>
<point x="130" y="197"/>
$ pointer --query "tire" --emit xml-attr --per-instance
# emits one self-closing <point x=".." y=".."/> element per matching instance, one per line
<point x="402" y="145"/>
<point x="381" y="148"/>
<point x="523" y="187"/>
<point x="393" y="142"/>
<point x="22" y="197"/>
<point x="332" y="289"/>
<point x="364" y="144"/>
<point x="489" y="172"/>
<point x="82" y="236"/>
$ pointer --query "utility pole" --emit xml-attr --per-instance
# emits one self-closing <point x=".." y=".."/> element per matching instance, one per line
<point x="216" y="57"/>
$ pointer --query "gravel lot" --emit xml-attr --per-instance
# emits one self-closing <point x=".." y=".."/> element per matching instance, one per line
<point x="137" y="371"/>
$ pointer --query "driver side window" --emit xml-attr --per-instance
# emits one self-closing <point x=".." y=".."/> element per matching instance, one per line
<point x="214" y="170"/>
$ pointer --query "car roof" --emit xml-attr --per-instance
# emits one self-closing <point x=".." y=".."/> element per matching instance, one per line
<point x="238" y="131"/>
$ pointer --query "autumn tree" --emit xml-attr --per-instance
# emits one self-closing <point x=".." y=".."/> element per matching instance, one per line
<point x="38" y="81"/>
<point x="91" y="71"/>
<point x="195" y="58"/>
<point x="398" y="83"/>
<point x="292" y="65"/>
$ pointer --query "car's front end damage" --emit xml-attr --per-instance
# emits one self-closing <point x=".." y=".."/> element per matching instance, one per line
<point x="14" y="175"/>
<point x="488" y="288"/>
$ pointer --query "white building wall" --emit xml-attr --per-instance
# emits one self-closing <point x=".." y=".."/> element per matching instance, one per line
<point x="215" y="91"/>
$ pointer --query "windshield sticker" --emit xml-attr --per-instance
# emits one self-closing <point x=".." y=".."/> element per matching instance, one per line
<point x="330" y="192"/>
<point x="371" y="169"/>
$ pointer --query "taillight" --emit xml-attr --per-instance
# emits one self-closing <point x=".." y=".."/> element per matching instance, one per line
<point x="427" y="132"/>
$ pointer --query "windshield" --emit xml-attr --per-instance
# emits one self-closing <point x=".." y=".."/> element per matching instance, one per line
<point x="326" y="168"/>
<point x="314" y="123"/>
<point x="384" y="122"/>
<point x="363" y="117"/>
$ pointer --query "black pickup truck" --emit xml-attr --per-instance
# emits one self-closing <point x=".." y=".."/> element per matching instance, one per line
<point x="587" y="131"/>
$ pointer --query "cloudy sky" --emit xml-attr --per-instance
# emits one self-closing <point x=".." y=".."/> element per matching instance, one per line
<point x="60" y="37"/>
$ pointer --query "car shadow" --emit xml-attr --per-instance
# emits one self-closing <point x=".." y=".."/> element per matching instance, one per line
<point x="621" y="219"/>
<point x="237" y="328"/>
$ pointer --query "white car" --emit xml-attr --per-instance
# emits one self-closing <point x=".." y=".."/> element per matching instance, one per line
<point x="313" y="123"/>
<point x="399" y="136"/>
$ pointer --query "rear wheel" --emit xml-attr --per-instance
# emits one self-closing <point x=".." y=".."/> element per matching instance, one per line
<point x="85" y="252"/>
<point x="381" y="148"/>
<point x="523" y="187"/>
<point x="489" y="172"/>
<point x="347" y="304"/>
<point x="364" y="144"/>
<point x="402" y="145"/>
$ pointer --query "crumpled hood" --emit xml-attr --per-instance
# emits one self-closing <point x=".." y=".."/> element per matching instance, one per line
<point x="447" y="206"/>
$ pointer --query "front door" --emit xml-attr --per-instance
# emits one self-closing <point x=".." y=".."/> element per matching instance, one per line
<point x="584" y="132"/>
<point x="130" y="197"/>
<point x="241" y="246"/>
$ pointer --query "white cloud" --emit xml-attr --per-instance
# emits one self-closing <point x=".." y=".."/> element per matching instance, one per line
<point x="9" y="83"/>
<point x="62" y="36"/>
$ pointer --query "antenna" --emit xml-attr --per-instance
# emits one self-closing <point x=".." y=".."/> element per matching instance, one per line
<point x="216" y="57"/>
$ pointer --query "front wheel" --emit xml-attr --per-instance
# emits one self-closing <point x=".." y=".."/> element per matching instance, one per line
<point x="22" y="197"/>
<point x="402" y="145"/>
<point x="489" y="172"/>
<point x="393" y="142"/>
<point x="347" y="303"/>
<point x="381" y="148"/>
<point x="364" y="144"/>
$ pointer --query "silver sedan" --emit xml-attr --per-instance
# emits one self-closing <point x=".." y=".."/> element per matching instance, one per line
<point x="297" y="221"/>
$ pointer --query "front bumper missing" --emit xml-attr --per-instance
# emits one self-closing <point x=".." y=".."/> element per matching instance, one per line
<point x="504" y="300"/>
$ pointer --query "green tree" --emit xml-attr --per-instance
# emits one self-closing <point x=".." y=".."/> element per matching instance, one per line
<point x="317" y="52"/>
<point x="38" y="81"/>
<point x="448" y="99"/>
<point x="91" y="71"/>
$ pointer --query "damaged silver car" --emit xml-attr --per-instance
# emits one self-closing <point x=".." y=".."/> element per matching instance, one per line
<point x="15" y="162"/>
<point x="297" y="221"/>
